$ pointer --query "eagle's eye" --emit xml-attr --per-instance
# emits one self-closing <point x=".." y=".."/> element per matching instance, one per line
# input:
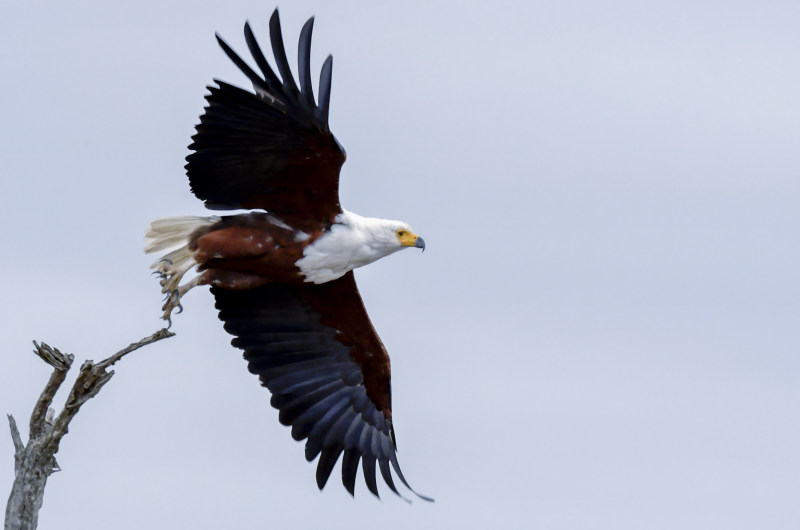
<point x="401" y="233"/>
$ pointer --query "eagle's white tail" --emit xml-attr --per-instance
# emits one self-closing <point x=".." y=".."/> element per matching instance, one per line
<point x="168" y="232"/>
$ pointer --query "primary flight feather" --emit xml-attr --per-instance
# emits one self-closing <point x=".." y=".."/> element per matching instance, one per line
<point x="282" y="275"/>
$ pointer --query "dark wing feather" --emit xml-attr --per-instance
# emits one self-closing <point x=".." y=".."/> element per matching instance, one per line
<point x="314" y="347"/>
<point x="304" y="65"/>
<point x="350" y="468"/>
<point x="324" y="90"/>
<point x="270" y="149"/>
<point x="270" y="78"/>
<point x="368" y="466"/>
<point x="276" y="39"/>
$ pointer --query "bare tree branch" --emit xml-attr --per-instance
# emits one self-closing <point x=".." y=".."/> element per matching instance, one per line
<point x="61" y="363"/>
<point x="19" y="447"/>
<point x="34" y="462"/>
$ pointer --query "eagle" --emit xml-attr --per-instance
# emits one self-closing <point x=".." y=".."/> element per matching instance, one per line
<point x="282" y="274"/>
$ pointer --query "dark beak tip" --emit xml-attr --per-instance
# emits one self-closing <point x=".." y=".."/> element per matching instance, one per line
<point x="420" y="243"/>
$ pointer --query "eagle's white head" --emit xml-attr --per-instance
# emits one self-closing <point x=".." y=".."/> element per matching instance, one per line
<point x="354" y="241"/>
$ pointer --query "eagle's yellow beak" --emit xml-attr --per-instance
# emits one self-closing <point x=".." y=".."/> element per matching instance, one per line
<point x="410" y="239"/>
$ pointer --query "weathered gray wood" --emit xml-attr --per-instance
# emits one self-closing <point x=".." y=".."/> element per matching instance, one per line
<point x="35" y="461"/>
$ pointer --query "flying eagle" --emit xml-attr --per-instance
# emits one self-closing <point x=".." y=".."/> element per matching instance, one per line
<point x="282" y="275"/>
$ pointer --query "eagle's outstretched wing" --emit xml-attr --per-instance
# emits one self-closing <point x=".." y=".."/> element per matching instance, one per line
<point x="315" y="349"/>
<point x="271" y="149"/>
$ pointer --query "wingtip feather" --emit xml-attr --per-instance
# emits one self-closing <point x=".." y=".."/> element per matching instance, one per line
<point x="350" y="469"/>
<point x="325" y="465"/>
<point x="368" y="467"/>
<point x="278" y="50"/>
<point x="304" y="62"/>
<point x="325" y="77"/>
<point x="255" y="50"/>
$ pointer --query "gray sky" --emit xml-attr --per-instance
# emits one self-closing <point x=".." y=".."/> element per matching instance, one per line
<point x="602" y="334"/>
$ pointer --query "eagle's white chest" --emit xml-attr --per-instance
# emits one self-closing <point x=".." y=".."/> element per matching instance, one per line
<point x="352" y="241"/>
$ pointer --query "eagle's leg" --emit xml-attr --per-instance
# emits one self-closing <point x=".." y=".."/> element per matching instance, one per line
<point x="171" y="269"/>
<point x="215" y="277"/>
<point x="173" y="300"/>
<point x="172" y="273"/>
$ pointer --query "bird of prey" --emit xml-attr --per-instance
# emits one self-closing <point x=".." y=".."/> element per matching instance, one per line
<point x="282" y="274"/>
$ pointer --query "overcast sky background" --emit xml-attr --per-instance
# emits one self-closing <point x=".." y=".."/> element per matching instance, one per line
<point x="602" y="334"/>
